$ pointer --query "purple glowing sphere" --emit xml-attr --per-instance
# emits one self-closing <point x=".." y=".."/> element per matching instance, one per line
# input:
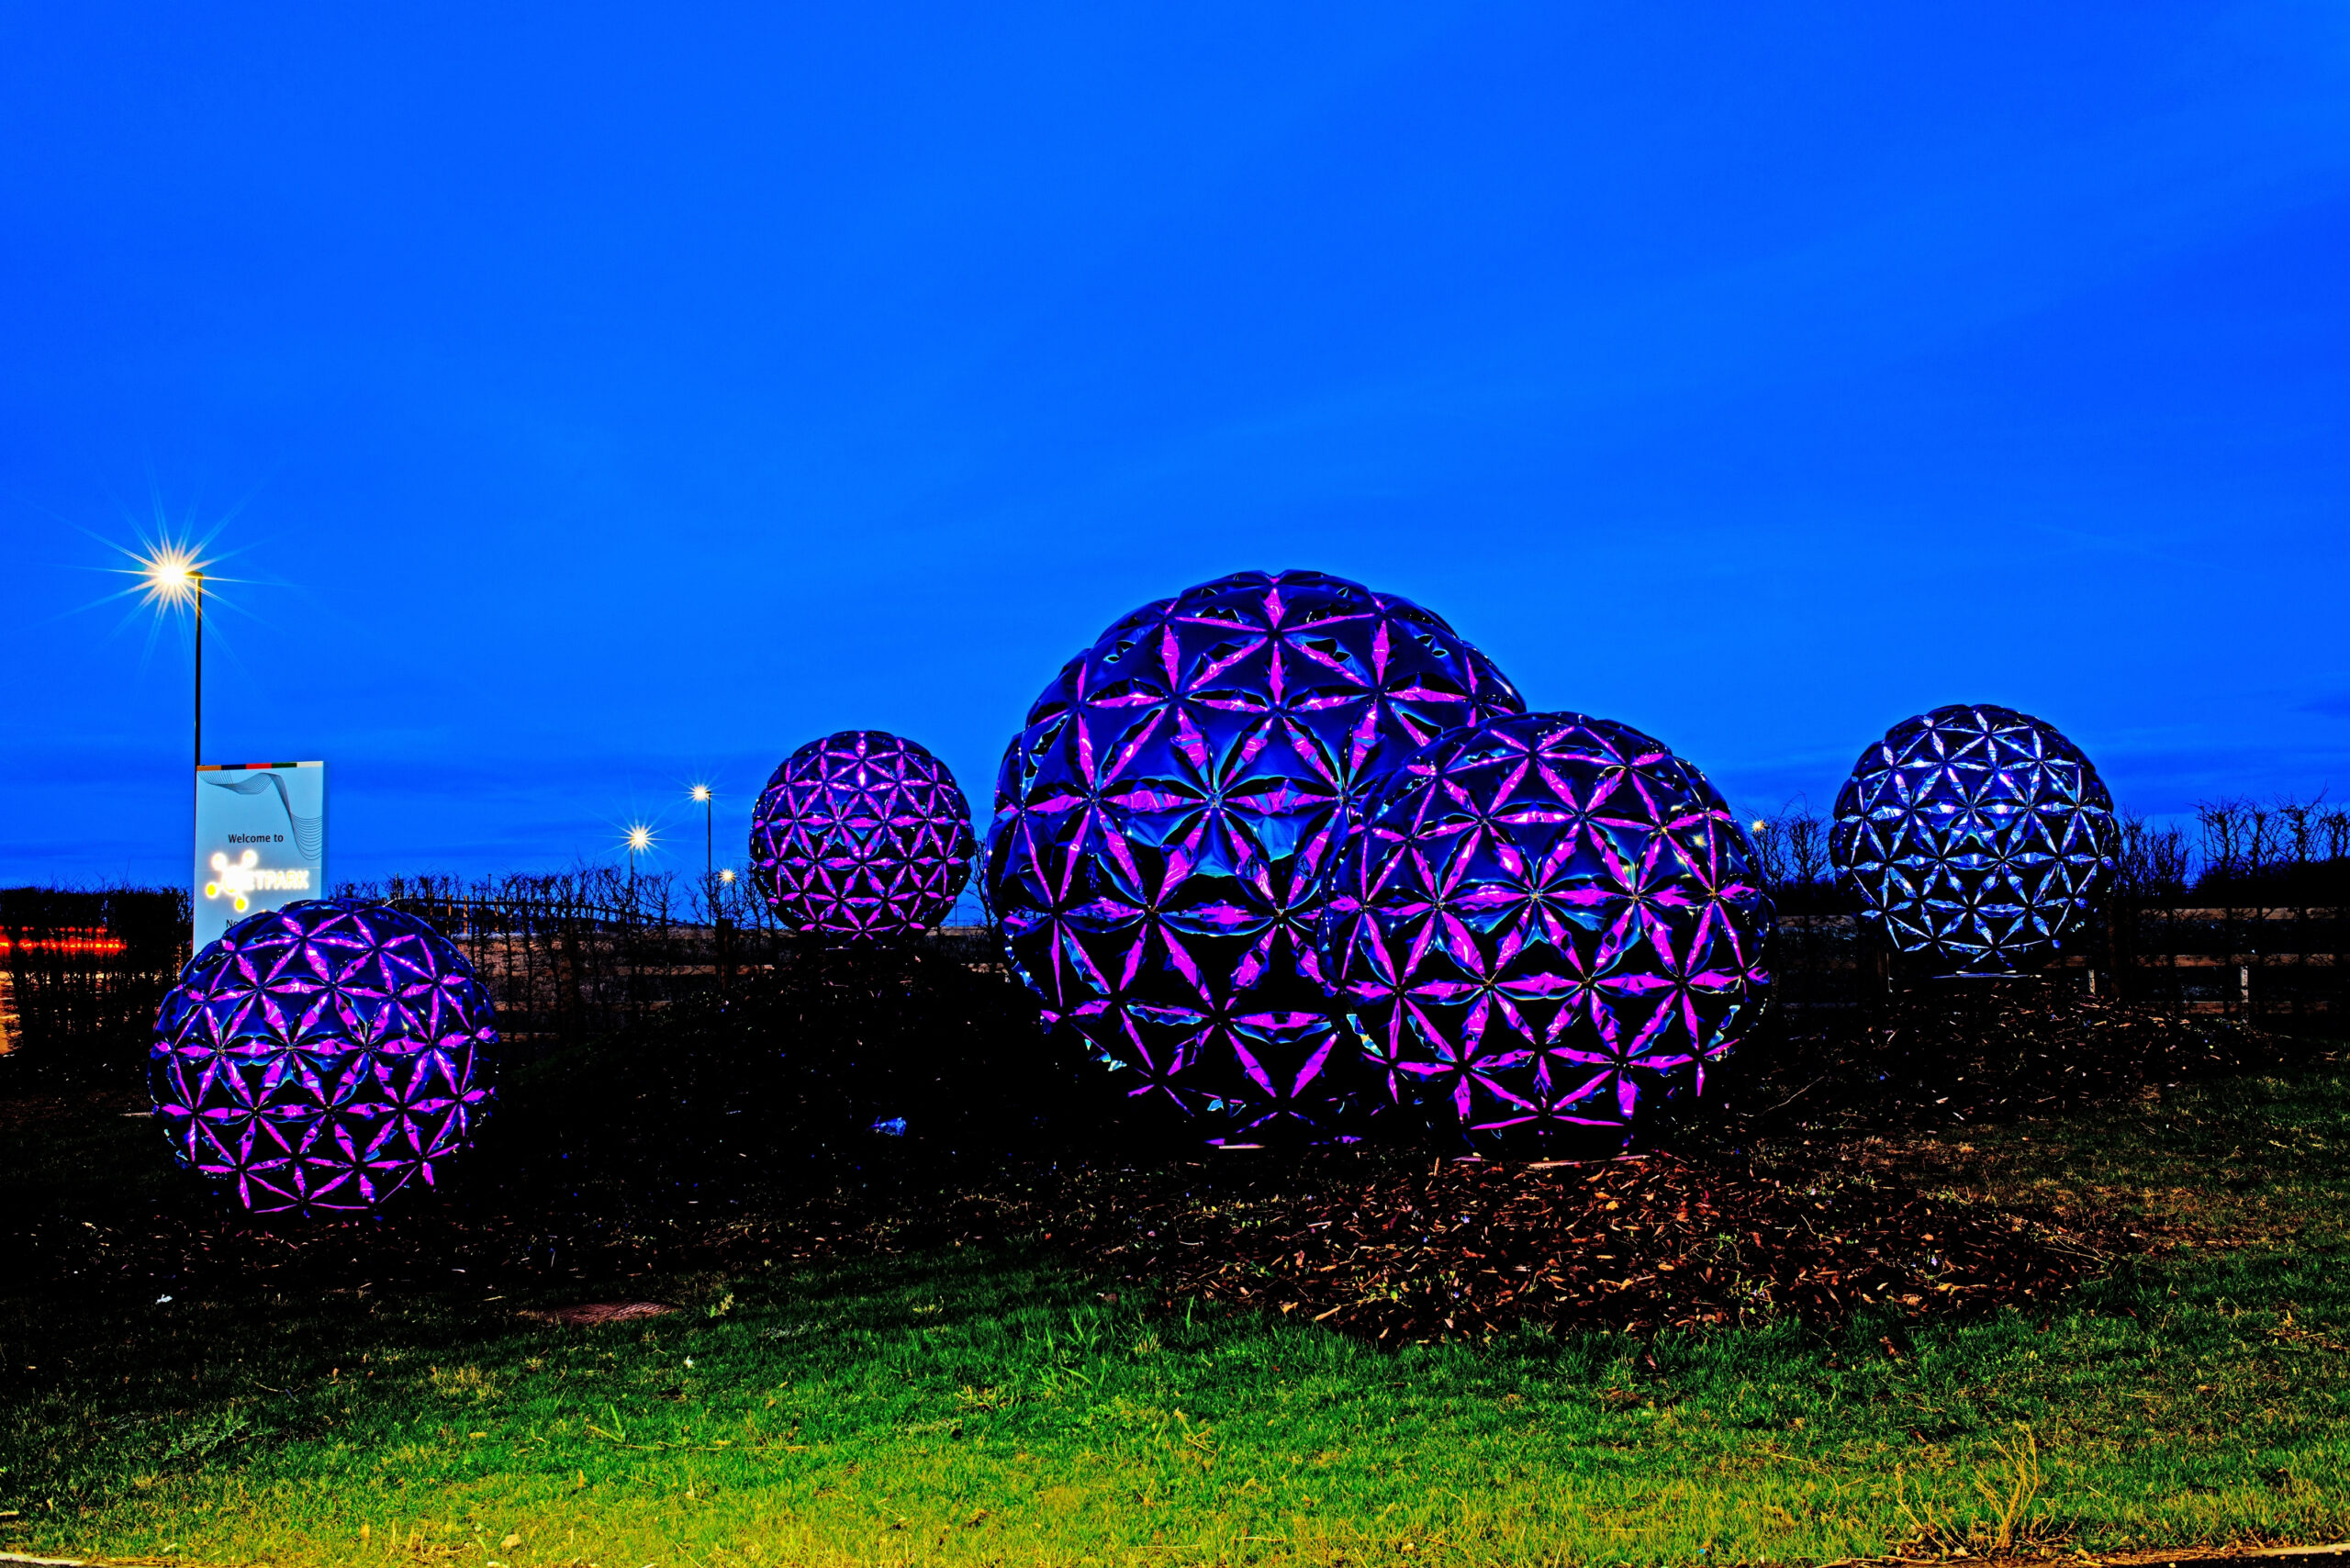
<point x="319" y="1055"/>
<point x="1542" y="928"/>
<point x="861" y="835"/>
<point x="1163" y="822"/>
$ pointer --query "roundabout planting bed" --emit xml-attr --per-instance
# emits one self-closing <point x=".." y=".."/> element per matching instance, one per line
<point x="918" y="1348"/>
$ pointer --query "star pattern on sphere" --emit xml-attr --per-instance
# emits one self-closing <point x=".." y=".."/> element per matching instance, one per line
<point x="1543" y="925"/>
<point x="1978" y="837"/>
<point x="861" y="835"/>
<point x="1164" y="823"/>
<point x="320" y="1055"/>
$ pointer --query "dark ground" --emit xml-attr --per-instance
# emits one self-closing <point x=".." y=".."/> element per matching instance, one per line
<point x="742" y="1128"/>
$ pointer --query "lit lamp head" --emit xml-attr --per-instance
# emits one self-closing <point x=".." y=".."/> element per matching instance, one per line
<point x="639" y="839"/>
<point x="701" y="794"/>
<point x="726" y="874"/>
<point x="172" y="573"/>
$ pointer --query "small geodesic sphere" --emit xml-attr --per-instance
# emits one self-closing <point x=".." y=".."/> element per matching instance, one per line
<point x="861" y="835"/>
<point x="1163" y="822"/>
<point x="1976" y="838"/>
<point x="319" y="1055"/>
<point x="1544" y="926"/>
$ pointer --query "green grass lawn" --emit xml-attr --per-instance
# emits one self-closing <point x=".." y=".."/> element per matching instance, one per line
<point x="989" y="1405"/>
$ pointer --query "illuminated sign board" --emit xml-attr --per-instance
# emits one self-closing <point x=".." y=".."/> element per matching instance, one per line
<point x="260" y="840"/>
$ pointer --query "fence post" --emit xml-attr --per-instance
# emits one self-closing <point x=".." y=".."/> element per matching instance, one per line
<point x="2112" y="951"/>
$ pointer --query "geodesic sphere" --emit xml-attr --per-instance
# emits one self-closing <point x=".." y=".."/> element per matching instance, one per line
<point x="1543" y="926"/>
<point x="1163" y="822"/>
<point x="861" y="835"/>
<point x="1976" y="838"/>
<point x="321" y="1054"/>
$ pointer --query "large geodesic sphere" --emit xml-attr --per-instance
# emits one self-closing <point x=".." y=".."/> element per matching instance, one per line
<point x="1977" y="838"/>
<point x="1163" y="824"/>
<point x="320" y="1055"/>
<point x="1543" y="928"/>
<point x="861" y="835"/>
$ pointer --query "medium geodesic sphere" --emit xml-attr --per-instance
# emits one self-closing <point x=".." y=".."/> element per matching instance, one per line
<point x="1163" y="822"/>
<point x="320" y="1055"/>
<point x="1544" y="926"/>
<point x="1977" y="838"/>
<point x="861" y="835"/>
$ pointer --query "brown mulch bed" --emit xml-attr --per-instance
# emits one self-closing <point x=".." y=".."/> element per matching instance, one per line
<point x="1772" y="1209"/>
<point x="1390" y="1247"/>
<point x="1401" y="1253"/>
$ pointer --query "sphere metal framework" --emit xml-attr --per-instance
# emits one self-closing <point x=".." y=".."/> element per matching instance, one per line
<point x="861" y="835"/>
<point x="1977" y="838"/>
<point x="1544" y="928"/>
<point x="1163" y="824"/>
<point x="320" y="1055"/>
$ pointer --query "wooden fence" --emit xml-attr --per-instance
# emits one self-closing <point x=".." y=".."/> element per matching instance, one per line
<point x="562" y="975"/>
<point x="2267" y="962"/>
<point x="81" y="974"/>
<point x="563" y="972"/>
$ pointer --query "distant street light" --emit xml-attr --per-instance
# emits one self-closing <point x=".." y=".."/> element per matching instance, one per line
<point x="721" y="960"/>
<point x="640" y="841"/>
<point x="702" y="793"/>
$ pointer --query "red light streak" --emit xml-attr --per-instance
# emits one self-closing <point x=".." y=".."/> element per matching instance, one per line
<point x="71" y="939"/>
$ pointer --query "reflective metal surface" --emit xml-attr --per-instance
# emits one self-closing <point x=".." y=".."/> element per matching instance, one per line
<point x="1163" y="822"/>
<point x="1544" y="928"/>
<point x="861" y="835"/>
<point x="1976" y="838"/>
<point x="320" y="1055"/>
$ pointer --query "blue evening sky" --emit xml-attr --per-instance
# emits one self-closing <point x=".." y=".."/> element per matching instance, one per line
<point x="599" y="398"/>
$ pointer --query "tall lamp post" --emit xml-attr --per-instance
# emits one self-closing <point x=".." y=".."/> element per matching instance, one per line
<point x="640" y="841"/>
<point x="722" y="960"/>
<point x="198" y="576"/>
<point x="174" y="577"/>
<point x="701" y="794"/>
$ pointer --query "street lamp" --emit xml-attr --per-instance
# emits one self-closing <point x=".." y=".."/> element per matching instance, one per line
<point x="174" y="577"/>
<point x="702" y="793"/>
<point x="721" y="960"/>
<point x="640" y="841"/>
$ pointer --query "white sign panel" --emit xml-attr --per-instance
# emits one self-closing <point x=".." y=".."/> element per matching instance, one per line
<point x="260" y="840"/>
